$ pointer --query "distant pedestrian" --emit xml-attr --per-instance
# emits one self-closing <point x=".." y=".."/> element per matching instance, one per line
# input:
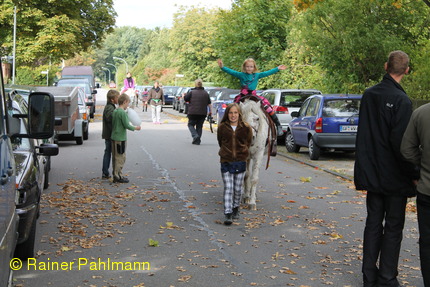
<point x="112" y="100"/>
<point x="156" y="101"/>
<point x="198" y="108"/>
<point x="234" y="139"/>
<point x="129" y="86"/>
<point x="119" y="137"/>
<point x="145" y="100"/>
<point x="381" y="170"/>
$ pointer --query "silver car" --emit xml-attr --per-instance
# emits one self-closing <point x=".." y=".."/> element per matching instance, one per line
<point x="286" y="101"/>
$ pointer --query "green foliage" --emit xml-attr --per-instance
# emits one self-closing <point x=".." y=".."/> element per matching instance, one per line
<point x="330" y="45"/>
<point x="351" y="39"/>
<point x="191" y="39"/>
<point x="253" y="28"/>
<point x="153" y="243"/>
<point x="49" y="31"/>
<point x="29" y="76"/>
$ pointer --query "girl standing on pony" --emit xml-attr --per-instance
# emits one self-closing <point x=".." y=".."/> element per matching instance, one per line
<point x="249" y="80"/>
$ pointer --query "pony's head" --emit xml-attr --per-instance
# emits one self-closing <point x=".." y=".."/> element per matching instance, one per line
<point x="252" y="113"/>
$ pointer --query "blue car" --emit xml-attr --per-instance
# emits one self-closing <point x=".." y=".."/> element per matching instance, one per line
<point x="169" y="93"/>
<point x="324" y="123"/>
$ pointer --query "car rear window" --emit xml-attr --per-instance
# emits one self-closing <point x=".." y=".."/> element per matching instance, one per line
<point x="341" y="108"/>
<point x="293" y="100"/>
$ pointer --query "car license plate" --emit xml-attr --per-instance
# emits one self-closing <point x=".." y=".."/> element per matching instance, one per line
<point x="348" y="129"/>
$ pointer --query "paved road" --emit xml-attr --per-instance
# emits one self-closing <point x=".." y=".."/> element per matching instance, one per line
<point x="306" y="231"/>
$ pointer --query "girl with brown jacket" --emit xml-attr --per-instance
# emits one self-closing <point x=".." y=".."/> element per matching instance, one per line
<point x="234" y="138"/>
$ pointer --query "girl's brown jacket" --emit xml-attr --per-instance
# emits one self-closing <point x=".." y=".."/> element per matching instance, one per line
<point x="234" y="145"/>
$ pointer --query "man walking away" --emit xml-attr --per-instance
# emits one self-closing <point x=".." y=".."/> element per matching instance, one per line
<point x="199" y="104"/>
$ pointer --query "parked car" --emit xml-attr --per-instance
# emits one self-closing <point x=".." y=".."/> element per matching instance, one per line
<point x="31" y="170"/>
<point x="213" y="92"/>
<point x="225" y="97"/>
<point x="23" y="91"/>
<point x="177" y="98"/>
<point x="183" y="106"/>
<point x="169" y="93"/>
<point x="286" y="101"/>
<point x="324" y="123"/>
<point x="90" y="94"/>
<point x="41" y="125"/>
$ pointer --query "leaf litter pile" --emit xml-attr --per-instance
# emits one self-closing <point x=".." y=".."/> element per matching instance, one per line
<point x="90" y="214"/>
<point x="303" y="240"/>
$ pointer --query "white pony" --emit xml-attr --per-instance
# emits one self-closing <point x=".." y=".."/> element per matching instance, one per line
<point x="253" y="114"/>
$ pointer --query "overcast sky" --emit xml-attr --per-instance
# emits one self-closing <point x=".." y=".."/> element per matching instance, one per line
<point x="150" y="14"/>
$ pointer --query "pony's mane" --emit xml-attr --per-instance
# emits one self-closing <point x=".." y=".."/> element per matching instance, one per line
<point x="249" y="106"/>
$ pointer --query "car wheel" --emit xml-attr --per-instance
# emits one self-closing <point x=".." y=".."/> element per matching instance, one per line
<point x="86" y="132"/>
<point x="314" y="150"/>
<point x="25" y="250"/>
<point x="79" y="140"/>
<point x="290" y="144"/>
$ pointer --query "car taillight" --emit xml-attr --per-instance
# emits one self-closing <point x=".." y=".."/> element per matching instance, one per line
<point x="224" y="106"/>
<point x="84" y="116"/>
<point x="318" y="126"/>
<point x="280" y="110"/>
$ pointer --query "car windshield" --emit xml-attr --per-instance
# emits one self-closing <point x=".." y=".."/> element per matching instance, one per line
<point x="293" y="99"/>
<point x="341" y="108"/>
<point x="84" y="85"/>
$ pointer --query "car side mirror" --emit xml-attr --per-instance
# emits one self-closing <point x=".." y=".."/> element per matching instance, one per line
<point x="294" y="114"/>
<point x="48" y="149"/>
<point x="41" y="116"/>
<point x="89" y="104"/>
<point x="90" y="97"/>
<point x="94" y="92"/>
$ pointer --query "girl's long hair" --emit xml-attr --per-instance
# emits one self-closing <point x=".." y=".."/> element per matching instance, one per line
<point x="227" y="110"/>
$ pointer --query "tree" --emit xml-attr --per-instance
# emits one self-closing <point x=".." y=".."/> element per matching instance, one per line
<point x="351" y="39"/>
<point x="191" y="39"/>
<point x="253" y="28"/>
<point x="55" y="30"/>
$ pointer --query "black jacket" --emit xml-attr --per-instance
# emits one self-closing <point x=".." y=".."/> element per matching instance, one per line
<point x="385" y="111"/>
<point x="198" y="100"/>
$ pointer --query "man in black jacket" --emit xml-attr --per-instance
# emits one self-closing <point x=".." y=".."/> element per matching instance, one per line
<point x="199" y="106"/>
<point x="381" y="170"/>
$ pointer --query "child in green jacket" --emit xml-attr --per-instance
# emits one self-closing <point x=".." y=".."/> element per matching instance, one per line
<point x="120" y="125"/>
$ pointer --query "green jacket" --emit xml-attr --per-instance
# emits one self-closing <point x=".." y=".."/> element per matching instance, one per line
<point x="120" y="125"/>
<point x="107" y="121"/>
<point x="415" y="148"/>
